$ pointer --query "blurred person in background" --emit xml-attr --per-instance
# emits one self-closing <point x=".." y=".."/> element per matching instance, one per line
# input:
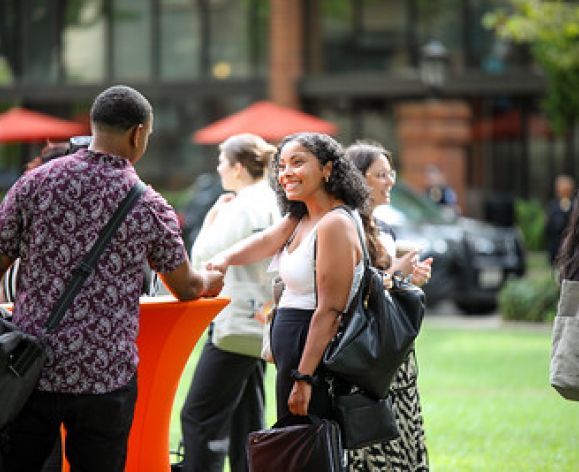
<point x="226" y="397"/>
<point x="559" y="211"/>
<point x="439" y="191"/>
<point x="408" y="452"/>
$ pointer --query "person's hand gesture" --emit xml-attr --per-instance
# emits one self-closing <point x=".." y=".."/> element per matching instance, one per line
<point x="422" y="272"/>
<point x="212" y="282"/>
<point x="405" y="263"/>
<point x="219" y="262"/>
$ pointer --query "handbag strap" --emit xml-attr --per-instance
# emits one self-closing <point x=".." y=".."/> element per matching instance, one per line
<point x="85" y="267"/>
<point x="365" y="252"/>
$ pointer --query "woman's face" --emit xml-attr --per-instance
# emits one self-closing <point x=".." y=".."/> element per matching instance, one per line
<point x="381" y="178"/>
<point x="300" y="173"/>
<point x="227" y="173"/>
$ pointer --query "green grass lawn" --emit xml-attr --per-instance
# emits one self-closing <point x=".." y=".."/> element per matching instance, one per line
<point x="486" y="398"/>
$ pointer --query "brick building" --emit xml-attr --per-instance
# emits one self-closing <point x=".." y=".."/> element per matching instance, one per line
<point x="354" y="62"/>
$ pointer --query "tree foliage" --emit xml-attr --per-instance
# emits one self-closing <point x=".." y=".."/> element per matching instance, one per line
<point x="551" y="28"/>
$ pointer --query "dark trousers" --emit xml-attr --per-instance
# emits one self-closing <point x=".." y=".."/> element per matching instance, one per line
<point x="288" y="339"/>
<point x="224" y="404"/>
<point x="97" y="428"/>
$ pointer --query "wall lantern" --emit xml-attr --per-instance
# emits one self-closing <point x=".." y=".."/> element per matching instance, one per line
<point x="434" y="66"/>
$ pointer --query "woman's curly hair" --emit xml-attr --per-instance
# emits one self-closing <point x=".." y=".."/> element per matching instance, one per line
<point x="344" y="183"/>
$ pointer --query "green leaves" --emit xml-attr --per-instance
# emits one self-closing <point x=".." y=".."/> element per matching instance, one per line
<point x="552" y="31"/>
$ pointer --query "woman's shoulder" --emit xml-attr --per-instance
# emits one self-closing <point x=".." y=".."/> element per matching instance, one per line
<point x="338" y="222"/>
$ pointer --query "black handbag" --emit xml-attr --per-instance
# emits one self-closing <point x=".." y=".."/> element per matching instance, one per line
<point x="22" y="356"/>
<point x="296" y="444"/>
<point x="364" y="420"/>
<point x="377" y="332"/>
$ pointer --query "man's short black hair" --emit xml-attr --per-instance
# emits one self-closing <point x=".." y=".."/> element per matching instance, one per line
<point x="120" y="107"/>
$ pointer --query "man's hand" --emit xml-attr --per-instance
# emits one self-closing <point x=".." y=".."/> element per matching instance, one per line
<point x="212" y="282"/>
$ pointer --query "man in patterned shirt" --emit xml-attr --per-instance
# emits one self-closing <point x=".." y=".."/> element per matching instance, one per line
<point x="49" y="219"/>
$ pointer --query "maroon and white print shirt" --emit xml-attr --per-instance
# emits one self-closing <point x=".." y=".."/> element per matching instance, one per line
<point x="49" y="219"/>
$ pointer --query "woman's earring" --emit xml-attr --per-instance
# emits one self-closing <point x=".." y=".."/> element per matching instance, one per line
<point x="327" y="179"/>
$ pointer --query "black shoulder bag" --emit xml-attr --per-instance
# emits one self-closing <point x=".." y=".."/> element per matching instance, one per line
<point x="377" y="332"/>
<point x="22" y="356"/>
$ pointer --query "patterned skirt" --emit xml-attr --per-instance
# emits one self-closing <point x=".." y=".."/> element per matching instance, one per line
<point x="408" y="452"/>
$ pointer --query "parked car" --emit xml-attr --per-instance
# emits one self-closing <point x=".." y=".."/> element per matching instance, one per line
<point x="472" y="259"/>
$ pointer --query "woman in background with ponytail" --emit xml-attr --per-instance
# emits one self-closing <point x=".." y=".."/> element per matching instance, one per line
<point x="226" y="398"/>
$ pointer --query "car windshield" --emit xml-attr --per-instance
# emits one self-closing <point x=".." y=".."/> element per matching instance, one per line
<point x="415" y="207"/>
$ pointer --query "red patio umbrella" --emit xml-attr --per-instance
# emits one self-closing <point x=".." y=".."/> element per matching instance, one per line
<point x="20" y="124"/>
<point x="270" y="121"/>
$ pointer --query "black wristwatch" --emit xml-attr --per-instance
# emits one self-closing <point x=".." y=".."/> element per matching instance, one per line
<point x="296" y="375"/>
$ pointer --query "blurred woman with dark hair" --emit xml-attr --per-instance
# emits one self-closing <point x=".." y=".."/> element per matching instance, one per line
<point x="408" y="452"/>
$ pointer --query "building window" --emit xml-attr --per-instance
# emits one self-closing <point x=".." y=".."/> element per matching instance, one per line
<point x="84" y="42"/>
<point x="443" y="21"/>
<point x="363" y="35"/>
<point x="180" y="44"/>
<point x="39" y="42"/>
<point x="229" y="41"/>
<point x="131" y="21"/>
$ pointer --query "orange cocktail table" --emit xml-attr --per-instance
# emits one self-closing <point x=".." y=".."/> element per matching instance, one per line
<point x="168" y="333"/>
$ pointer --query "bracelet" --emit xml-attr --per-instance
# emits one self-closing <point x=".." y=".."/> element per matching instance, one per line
<point x="398" y="276"/>
<point x="296" y="375"/>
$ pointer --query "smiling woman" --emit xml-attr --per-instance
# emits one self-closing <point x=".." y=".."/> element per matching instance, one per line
<point x="312" y="179"/>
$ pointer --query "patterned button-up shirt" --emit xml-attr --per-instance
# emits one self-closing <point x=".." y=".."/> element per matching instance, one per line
<point x="49" y="219"/>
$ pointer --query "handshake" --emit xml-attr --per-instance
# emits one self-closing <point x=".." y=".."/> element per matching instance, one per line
<point x="212" y="275"/>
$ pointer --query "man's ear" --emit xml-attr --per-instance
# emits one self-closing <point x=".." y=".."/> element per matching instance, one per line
<point x="135" y="134"/>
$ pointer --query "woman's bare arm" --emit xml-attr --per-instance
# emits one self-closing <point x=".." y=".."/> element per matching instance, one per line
<point x="338" y="252"/>
<point x="255" y="247"/>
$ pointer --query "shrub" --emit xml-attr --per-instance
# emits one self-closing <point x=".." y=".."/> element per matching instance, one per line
<point x="529" y="299"/>
<point x="530" y="217"/>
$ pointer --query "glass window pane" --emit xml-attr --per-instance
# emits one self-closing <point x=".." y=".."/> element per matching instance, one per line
<point x="442" y="20"/>
<point x="489" y="52"/>
<point x="9" y="51"/>
<point x="229" y="50"/>
<point x="84" y="42"/>
<point x="39" y="45"/>
<point x="180" y="39"/>
<point x="364" y="36"/>
<point x="132" y="39"/>
<point x="383" y="34"/>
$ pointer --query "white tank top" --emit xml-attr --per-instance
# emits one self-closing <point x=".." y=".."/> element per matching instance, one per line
<point x="297" y="271"/>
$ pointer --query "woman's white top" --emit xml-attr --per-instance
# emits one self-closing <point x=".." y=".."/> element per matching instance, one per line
<point x="297" y="271"/>
<point x="252" y="210"/>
